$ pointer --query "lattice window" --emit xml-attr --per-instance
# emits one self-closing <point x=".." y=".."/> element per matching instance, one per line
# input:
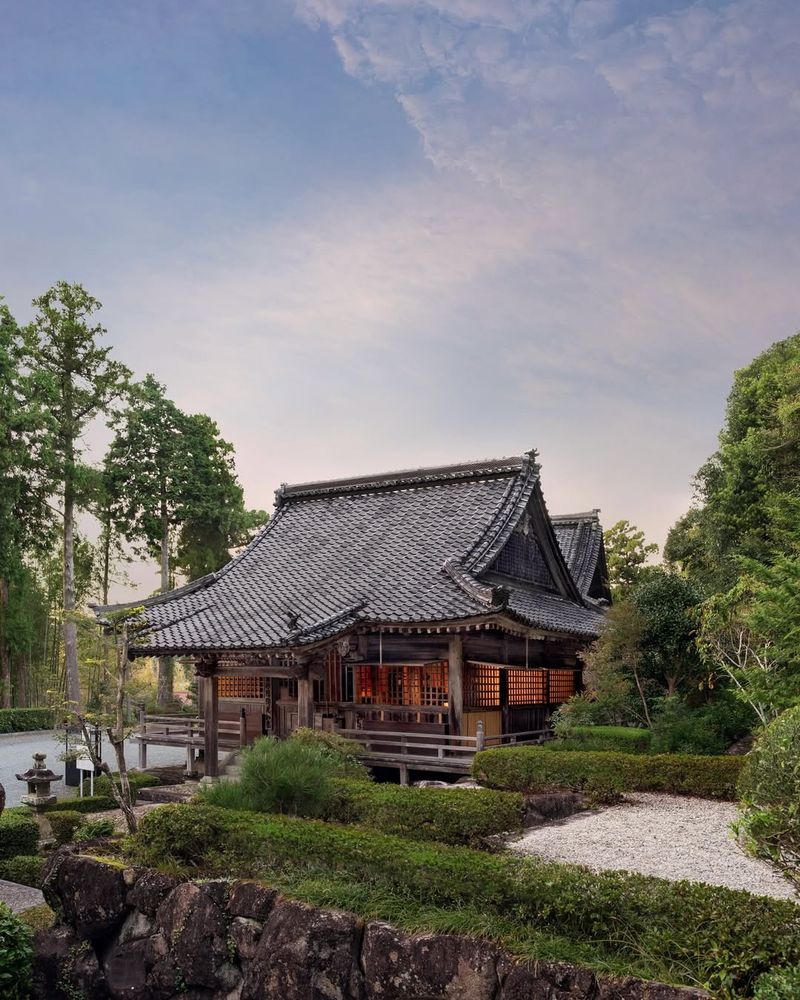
<point x="407" y="684"/>
<point x="562" y="685"/>
<point x="240" y="687"/>
<point x="526" y="687"/>
<point x="481" y="685"/>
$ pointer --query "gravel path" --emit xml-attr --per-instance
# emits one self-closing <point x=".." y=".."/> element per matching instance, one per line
<point x="665" y="835"/>
<point x="19" y="897"/>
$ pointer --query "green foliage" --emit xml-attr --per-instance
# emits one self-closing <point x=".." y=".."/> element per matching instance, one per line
<point x="23" y="720"/>
<point x="136" y="779"/>
<point x="449" y="816"/>
<point x="19" y="833"/>
<point x="38" y="918"/>
<point x="770" y="794"/>
<point x="717" y="937"/>
<point x="626" y="554"/>
<point x="88" y="804"/>
<point x="89" y="829"/>
<point x="535" y="769"/>
<point x="24" y="868"/>
<point x="64" y="824"/>
<point x="780" y="984"/>
<point x="679" y="729"/>
<point x="345" y="753"/>
<point x="281" y="776"/>
<point x="622" y="739"/>
<point x="16" y="955"/>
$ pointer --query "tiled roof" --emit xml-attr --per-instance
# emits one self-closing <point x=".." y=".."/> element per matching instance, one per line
<point x="580" y="538"/>
<point x="404" y="547"/>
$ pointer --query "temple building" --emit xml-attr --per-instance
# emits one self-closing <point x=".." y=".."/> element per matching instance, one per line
<point x="442" y="602"/>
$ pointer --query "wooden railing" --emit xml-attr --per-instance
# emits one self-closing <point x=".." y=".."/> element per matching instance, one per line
<point x="186" y="731"/>
<point x="436" y="745"/>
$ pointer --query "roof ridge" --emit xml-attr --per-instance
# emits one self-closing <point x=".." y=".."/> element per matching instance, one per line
<point x="428" y="476"/>
<point x="585" y="515"/>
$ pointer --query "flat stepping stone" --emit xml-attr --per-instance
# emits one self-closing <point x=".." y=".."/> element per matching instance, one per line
<point x="19" y="897"/>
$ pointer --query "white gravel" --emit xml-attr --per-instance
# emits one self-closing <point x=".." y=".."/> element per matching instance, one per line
<point x="664" y="835"/>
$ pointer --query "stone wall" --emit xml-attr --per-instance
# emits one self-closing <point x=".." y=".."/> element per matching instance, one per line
<point x="143" y="935"/>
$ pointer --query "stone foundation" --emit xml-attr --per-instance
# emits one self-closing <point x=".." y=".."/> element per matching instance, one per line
<point x="146" y="936"/>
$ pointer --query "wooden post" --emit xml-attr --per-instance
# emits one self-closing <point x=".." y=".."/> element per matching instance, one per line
<point x="305" y="701"/>
<point x="211" y="725"/>
<point x="479" y="737"/>
<point x="243" y="728"/>
<point x="455" y="685"/>
<point x="404" y="774"/>
<point x="142" y="744"/>
<point x="189" y="758"/>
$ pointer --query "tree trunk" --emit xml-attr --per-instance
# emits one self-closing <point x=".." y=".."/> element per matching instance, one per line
<point x="165" y="692"/>
<point x="5" y="652"/>
<point x="72" y="679"/>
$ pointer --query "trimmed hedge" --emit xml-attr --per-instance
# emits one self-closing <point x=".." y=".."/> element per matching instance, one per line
<point x="621" y="739"/>
<point x="449" y="816"/>
<point x="88" y="804"/>
<point x="64" y="823"/>
<point x="532" y="769"/>
<point x="721" y="938"/>
<point x="25" y="720"/>
<point x="136" y="779"/>
<point x="25" y="869"/>
<point x="19" y="833"/>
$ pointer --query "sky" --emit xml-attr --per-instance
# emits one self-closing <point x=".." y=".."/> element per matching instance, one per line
<point x="371" y="235"/>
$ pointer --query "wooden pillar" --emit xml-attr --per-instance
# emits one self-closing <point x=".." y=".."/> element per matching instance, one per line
<point x="305" y="700"/>
<point x="455" y="684"/>
<point x="211" y="725"/>
<point x="142" y="744"/>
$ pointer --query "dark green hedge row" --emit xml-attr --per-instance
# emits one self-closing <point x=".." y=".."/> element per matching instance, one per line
<point x="532" y="769"/>
<point x="136" y="779"/>
<point x="718" y="937"/>
<point x="19" y="833"/>
<point x="621" y="739"/>
<point x="449" y="816"/>
<point x="24" y="720"/>
<point x="25" y="869"/>
<point x="88" y="804"/>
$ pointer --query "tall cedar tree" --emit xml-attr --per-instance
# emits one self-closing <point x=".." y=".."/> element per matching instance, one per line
<point x="82" y="382"/>
<point x="627" y="553"/>
<point x="171" y="472"/>
<point x="26" y="521"/>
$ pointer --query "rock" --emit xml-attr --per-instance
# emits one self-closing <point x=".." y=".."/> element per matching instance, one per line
<point x="545" y="981"/>
<point x="306" y="954"/>
<point x="626" y="988"/>
<point x="251" y="899"/>
<point x="548" y="806"/>
<point x="150" y="891"/>
<point x="195" y="929"/>
<point x="90" y="894"/>
<point x="65" y="966"/>
<point x="2" y="798"/>
<point x="245" y="934"/>
<point x="218" y="890"/>
<point x="398" y="966"/>
<point x="137" y="925"/>
<point x="127" y="966"/>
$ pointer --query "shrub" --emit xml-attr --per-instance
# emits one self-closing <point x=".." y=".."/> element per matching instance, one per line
<point x="281" y="776"/>
<point x="450" y="816"/>
<point x="63" y="824"/>
<point x="622" y="739"/>
<point x="770" y="794"/>
<point x="88" y="804"/>
<point x="781" y="984"/>
<point x="718" y="937"/>
<point x="19" y="833"/>
<point x="16" y="955"/>
<point x="25" y="869"/>
<point x="345" y="753"/>
<point x="136" y="779"/>
<point x="677" y="728"/>
<point x="533" y="769"/>
<point x="38" y="918"/>
<point x="89" y="829"/>
<point x="25" y="720"/>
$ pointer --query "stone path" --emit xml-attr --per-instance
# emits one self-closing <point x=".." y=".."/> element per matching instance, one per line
<point x="19" y="897"/>
<point x="673" y="837"/>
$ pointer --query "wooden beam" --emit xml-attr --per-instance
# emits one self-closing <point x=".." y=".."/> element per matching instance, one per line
<point x="305" y="701"/>
<point x="455" y="684"/>
<point x="211" y="723"/>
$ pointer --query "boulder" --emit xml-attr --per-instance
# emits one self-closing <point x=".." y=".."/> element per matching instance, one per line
<point x="196" y="933"/>
<point x="306" y="954"/>
<point x="150" y="890"/>
<point x="609" y="988"/>
<point x="245" y="934"/>
<point x="545" y="981"/>
<point x="399" y="966"/>
<point x="65" y="966"/>
<point x="127" y="966"/>
<point x="251" y="899"/>
<point x="90" y="894"/>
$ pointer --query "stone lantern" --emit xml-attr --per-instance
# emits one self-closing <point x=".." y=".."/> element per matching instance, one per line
<point x="38" y="779"/>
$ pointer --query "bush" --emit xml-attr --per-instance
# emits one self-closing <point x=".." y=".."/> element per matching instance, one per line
<point x="718" y="937"/>
<point x="280" y="776"/>
<point x="533" y="769"/>
<point x="25" y="869"/>
<point x="345" y="753"/>
<point x="136" y="779"/>
<point x="89" y="829"/>
<point x="64" y="823"/>
<point x="622" y="739"/>
<point x="16" y="955"/>
<point x="677" y="728"/>
<point x="782" y="984"/>
<point x="449" y="816"/>
<point x="25" y="720"/>
<point x="19" y="833"/>
<point x="770" y="794"/>
<point x="88" y="804"/>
